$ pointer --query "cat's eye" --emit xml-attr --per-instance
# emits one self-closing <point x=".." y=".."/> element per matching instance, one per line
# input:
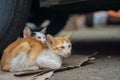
<point x="62" y="47"/>
<point x="39" y="37"/>
<point x="70" y="46"/>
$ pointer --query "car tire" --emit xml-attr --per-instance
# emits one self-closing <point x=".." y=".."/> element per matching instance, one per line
<point x="13" y="15"/>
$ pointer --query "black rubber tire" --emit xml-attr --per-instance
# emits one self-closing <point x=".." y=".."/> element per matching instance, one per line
<point x="13" y="15"/>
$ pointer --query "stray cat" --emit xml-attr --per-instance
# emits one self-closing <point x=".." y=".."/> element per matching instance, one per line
<point x="40" y="36"/>
<point x="31" y="54"/>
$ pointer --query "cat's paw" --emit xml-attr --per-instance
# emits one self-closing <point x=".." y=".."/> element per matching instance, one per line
<point x="33" y="67"/>
<point x="55" y="65"/>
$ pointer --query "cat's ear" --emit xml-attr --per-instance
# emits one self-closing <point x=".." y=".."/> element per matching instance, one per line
<point x="44" y="25"/>
<point x="43" y="30"/>
<point x="27" y="32"/>
<point x="51" y="39"/>
<point x="68" y="36"/>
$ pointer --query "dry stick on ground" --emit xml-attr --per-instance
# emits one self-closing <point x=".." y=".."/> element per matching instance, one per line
<point x="25" y="73"/>
<point x="44" y="76"/>
<point x="58" y="70"/>
<point x="43" y="71"/>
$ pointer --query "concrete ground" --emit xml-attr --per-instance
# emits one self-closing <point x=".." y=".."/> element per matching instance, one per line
<point x="105" y="67"/>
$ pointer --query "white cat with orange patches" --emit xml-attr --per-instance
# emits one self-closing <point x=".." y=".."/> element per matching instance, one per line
<point x="31" y="54"/>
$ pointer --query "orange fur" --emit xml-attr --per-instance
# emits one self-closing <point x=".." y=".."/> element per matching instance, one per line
<point x="60" y="41"/>
<point x="30" y="45"/>
<point x="29" y="53"/>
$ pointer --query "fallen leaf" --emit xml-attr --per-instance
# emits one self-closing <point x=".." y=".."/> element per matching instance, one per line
<point x="25" y="73"/>
<point x="43" y="76"/>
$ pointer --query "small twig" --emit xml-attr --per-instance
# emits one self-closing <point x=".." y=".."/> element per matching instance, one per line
<point x="58" y="70"/>
<point x="90" y="58"/>
<point x="40" y="72"/>
<point x="27" y="73"/>
<point x="43" y="72"/>
<point x="93" y="55"/>
<point x="43" y="76"/>
<point x="66" y="68"/>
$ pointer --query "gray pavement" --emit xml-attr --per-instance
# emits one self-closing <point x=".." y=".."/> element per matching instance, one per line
<point x="103" y="68"/>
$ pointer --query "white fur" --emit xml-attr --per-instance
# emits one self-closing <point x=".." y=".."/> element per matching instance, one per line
<point x="18" y="62"/>
<point x="21" y="63"/>
<point x="40" y="37"/>
<point x="49" y="59"/>
<point x="67" y="49"/>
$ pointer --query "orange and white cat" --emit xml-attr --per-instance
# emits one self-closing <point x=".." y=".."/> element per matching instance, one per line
<point x="31" y="54"/>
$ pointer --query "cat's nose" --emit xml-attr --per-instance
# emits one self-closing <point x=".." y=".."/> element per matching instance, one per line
<point x="67" y="54"/>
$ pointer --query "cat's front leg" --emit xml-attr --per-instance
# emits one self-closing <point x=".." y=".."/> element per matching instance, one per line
<point x="35" y="67"/>
<point x="53" y="64"/>
<point x="48" y="63"/>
